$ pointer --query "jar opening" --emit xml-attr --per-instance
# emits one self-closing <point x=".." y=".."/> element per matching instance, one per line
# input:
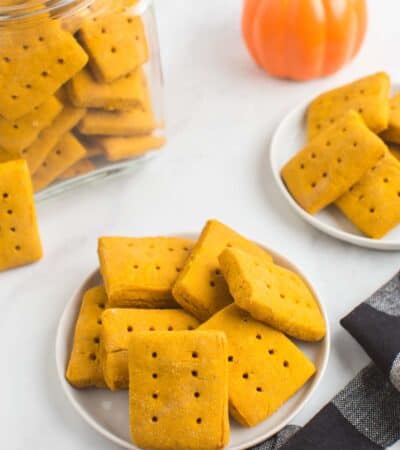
<point x="25" y="9"/>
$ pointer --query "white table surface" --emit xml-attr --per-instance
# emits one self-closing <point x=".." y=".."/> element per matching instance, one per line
<point x="221" y="113"/>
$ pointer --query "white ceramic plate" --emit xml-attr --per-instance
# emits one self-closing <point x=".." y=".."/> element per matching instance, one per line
<point x="107" y="412"/>
<point x="287" y="140"/>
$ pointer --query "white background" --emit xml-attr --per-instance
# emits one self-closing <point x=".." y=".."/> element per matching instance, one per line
<point x="221" y="113"/>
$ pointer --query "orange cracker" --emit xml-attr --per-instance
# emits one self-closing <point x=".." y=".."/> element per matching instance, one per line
<point x="84" y="366"/>
<point x="332" y="162"/>
<point x="66" y="153"/>
<point x="116" y="148"/>
<point x="19" y="234"/>
<point x="265" y="367"/>
<point x="140" y="272"/>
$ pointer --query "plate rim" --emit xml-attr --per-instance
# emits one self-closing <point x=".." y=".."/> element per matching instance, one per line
<point x="360" y="241"/>
<point x="68" y="389"/>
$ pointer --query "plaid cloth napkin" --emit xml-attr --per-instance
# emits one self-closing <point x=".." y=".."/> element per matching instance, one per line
<point x="365" y="415"/>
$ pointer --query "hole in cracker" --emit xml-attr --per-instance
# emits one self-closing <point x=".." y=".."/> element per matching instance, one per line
<point x="197" y="394"/>
<point x="325" y="174"/>
<point x="230" y="358"/>
<point x="170" y="328"/>
<point x="155" y="395"/>
<point x="371" y="210"/>
<point x="129" y="329"/>
<point x="103" y="30"/>
<point x="129" y="20"/>
<point x="136" y="266"/>
<point x="194" y="373"/>
<point x="154" y="375"/>
<point x="198" y="420"/>
<point x="313" y="184"/>
<point x="151" y="328"/>
<point x="154" y="419"/>
<point x="9" y="211"/>
<point x="271" y="351"/>
<point x="44" y="164"/>
<point x="302" y="166"/>
<point x="212" y="283"/>
<point x="217" y="272"/>
<point x="113" y="50"/>
<point x="318" y="126"/>
<point x="154" y="355"/>
<point x="170" y="249"/>
<point x="190" y="327"/>
<point x="258" y="336"/>
<point x="14" y="97"/>
<point x="25" y="46"/>
<point x="282" y="295"/>
<point x="360" y="110"/>
<point x="195" y="355"/>
<point x="92" y="356"/>
<point x="178" y="269"/>
<point x="229" y="245"/>
<point x="245" y="376"/>
<point x="13" y="229"/>
<point x="102" y="305"/>
<point x="347" y="98"/>
<point x="45" y="74"/>
<point x="99" y="322"/>
<point x="158" y="267"/>
<point x="355" y="143"/>
<point x="285" y="363"/>
<point x="360" y="197"/>
<point x="313" y="155"/>
<point x="137" y="37"/>
<point x="339" y="160"/>
<point x="17" y="247"/>
<point x="60" y="61"/>
<point x="344" y="129"/>
<point x="41" y="39"/>
<point x="6" y="59"/>
<point x="28" y="86"/>
<point x="328" y="143"/>
<point x="259" y="389"/>
<point x="5" y="195"/>
<point x="373" y="168"/>
<point x="386" y="180"/>
<point x="362" y="91"/>
<point x="332" y="120"/>
<point x="96" y="340"/>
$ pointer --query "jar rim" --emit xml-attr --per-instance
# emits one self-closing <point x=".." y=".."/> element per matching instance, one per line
<point x="30" y="8"/>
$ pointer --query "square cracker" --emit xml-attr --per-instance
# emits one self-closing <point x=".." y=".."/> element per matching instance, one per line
<point x="117" y="148"/>
<point x="140" y="272"/>
<point x="66" y="153"/>
<point x="392" y="134"/>
<point x="368" y="96"/>
<point x="200" y="288"/>
<point x="34" y="63"/>
<point x="136" y="121"/>
<point x="19" y="234"/>
<point x="116" y="44"/>
<point x="265" y="367"/>
<point x="335" y="160"/>
<point x="50" y="136"/>
<point x="273" y="295"/>
<point x="373" y="204"/>
<point x="84" y="366"/>
<point x="118" y="326"/>
<point x="20" y="133"/>
<point x="178" y="395"/>
<point x="125" y="93"/>
<point x="82" y="167"/>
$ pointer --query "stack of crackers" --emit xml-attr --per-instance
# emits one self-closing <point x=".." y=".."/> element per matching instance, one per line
<point x="195" y="330"/>
<point x="352" y="156"/>
<point x="74" y="93"/>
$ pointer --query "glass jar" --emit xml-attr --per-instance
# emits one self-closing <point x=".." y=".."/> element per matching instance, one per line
<point x="80" y="88"/>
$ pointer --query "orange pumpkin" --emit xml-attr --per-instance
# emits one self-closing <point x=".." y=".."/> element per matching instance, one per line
<point x="303" y="39"/>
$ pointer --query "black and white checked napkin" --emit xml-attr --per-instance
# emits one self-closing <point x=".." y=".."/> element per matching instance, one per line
<point x="365" y="415"/>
